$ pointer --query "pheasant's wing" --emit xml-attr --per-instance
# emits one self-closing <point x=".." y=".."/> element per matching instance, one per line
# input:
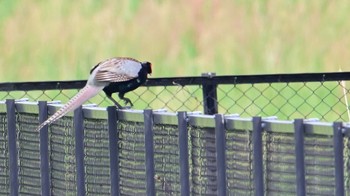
<point x="118" y="70"/>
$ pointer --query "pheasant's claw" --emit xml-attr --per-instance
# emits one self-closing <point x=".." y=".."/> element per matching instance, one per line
<point x="128" y="101"/>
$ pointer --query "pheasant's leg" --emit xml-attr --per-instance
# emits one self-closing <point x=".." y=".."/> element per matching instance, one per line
<point x="114" y="101"/>
<point x="125" y="99"/>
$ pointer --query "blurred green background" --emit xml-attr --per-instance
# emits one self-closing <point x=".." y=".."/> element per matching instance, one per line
<point x="61" y="39"/>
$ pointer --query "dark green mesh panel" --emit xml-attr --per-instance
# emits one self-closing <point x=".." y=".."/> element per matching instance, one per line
<point x="4" y="162"/>
<point x="166" y="159"/>
<point x="132" y="158"/>
<point x="97" y="157"/>
<point x="29" y="154"/>
<point x="319" y="161"/>
<point x="279" y="156"/>
<point x="203" y="161"/>
<point x="239" y="162"/>
<point x="347" y="165"/>
<point x="62" y="156"/>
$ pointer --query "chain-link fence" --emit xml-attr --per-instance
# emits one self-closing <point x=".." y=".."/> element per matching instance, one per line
<point x="288" y="96"/>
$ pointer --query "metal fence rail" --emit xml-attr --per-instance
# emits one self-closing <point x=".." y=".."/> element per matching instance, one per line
<point x="109" y="152"/>
<point x="288" y="96"/>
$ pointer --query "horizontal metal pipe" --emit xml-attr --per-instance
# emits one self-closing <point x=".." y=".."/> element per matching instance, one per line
<point x="190" y="80"/>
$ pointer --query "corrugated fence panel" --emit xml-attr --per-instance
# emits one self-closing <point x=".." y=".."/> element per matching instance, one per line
<point x="278" y="172"/>
<point x="347" y="165"/>
<point x="4" y="162"/>
<point x="28" y="154"/>
<point x="63" y="163"/>
<point x="166" y="159"/>
<point x="280" y="163"/>
<point x="97" y="157"/>
<point x="132" y="158"/>
<point x="319" y="161"/>
<point x="203" y="152"/>
<point x="239" y="162"/>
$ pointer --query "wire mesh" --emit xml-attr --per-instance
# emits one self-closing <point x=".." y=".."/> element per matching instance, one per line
<point x="280" y="163"/>
<point x="132" y="158"/>
<point x="166" y="159"/>
<point x="347" y="165"/>
<point x="203" y="155"/>
<point x="28" y="154"/>
<point x="62" y="157"/>
<point x="172" y="98"/>
<point x="319" y="165"/>
<point x="239" y="162"/>
<point x="325" y="100"/>
<point x="96" y="160"/>
<point x="4" y="161"/>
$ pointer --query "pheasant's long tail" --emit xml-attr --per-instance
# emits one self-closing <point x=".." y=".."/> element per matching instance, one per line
<point x="83" y="95"/>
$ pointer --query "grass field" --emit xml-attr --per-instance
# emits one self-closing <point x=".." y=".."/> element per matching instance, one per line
<point x="62" y="40"/>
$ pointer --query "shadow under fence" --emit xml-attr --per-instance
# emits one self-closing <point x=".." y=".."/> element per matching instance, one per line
<point x="99" y="151"/>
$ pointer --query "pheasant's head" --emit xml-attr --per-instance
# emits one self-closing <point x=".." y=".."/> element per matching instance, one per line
<point x="147" y="66"/>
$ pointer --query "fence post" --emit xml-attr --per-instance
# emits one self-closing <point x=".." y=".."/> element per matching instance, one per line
<point x="258" y="156"/>
<point x="220" y="141"/>
<point x="113" y="150"/>
<point x="183" y="148"/>
<point x="210" y="98"/>
<point x="338" y="158"/>
<point x="44" y="151"/>
<point x="210" y="107"/>
<point x="79" y="150"/>
<point x="299" y="156"/>
<point x="150" y="181"/>
<point x="12" y="145"/>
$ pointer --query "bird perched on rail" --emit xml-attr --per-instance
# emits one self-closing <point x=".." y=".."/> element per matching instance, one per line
<point x="113" y="75"/>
